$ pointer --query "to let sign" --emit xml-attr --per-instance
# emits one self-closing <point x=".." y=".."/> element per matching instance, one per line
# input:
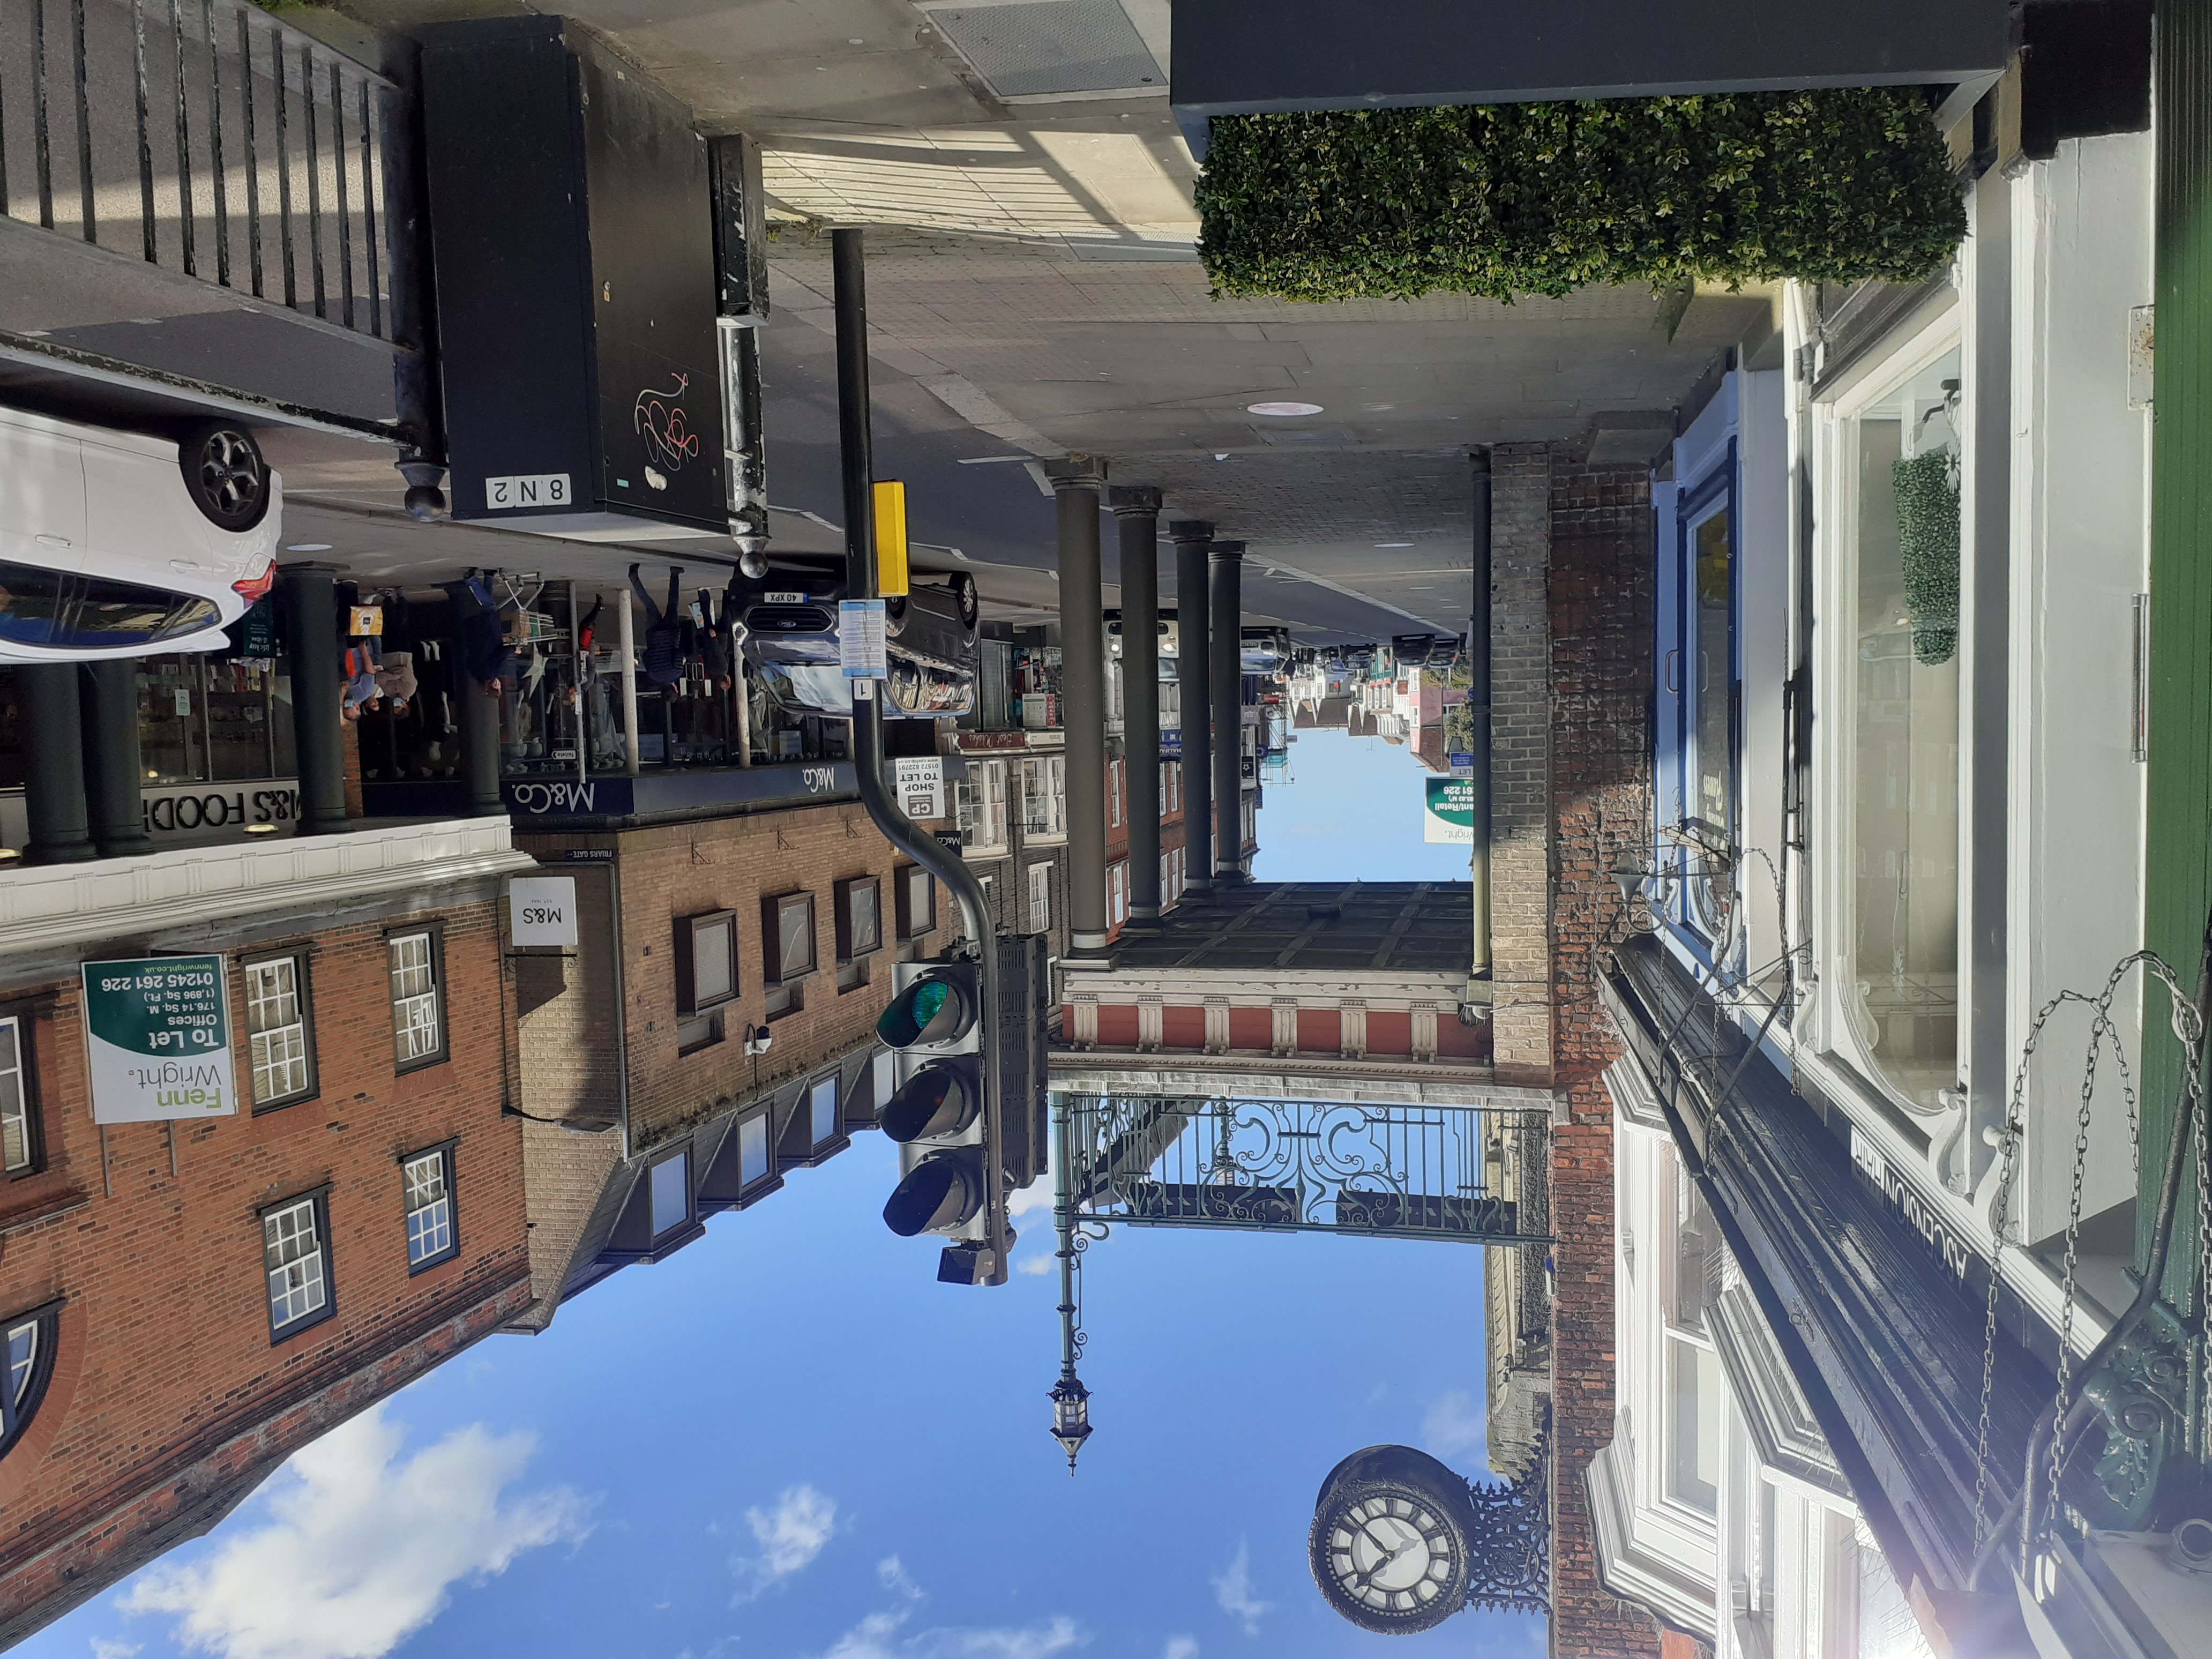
<point x="159" y="1032"/>
<point x="921" y="785"/>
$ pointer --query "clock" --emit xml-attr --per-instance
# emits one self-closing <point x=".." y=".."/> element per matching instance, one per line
<point x="1392" y="1544"/>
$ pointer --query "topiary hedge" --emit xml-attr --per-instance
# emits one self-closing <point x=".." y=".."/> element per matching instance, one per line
<point x="1836" y="184"/>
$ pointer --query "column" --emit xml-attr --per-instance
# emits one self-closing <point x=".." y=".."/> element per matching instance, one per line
<point x="113" y="772"/>
<point x="311" y="631"/>
<point x="1227" y="603"/>
<point x="1137" y="513"/>
<point x="53" y="793"/>
<point x="1078" y="481"/>
<point x="1192" y="538"/>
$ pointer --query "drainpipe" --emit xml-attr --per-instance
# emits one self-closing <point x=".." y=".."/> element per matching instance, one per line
<point x="1227" y="672"/>
<point x="1477" y="704"/>
<point x="856" y="449"/>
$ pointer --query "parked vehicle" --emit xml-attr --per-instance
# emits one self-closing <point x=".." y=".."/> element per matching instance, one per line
<point x="117" y="544"/>
<point x="791" y="639"/>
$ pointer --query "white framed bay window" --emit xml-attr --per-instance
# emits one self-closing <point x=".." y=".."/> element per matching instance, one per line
<point x="1892" y="765"/>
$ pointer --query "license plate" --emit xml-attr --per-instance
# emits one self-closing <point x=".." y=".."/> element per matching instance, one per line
<point x="783" y="598"/>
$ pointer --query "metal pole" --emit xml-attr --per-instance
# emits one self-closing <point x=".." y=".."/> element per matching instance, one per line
<point x="856" y="446"/>
<point x="1192" y="538"/>
<point x="575" y="691"/>
<point x="1478" y="707"/>
<point x="310" y="597"/>
<point x="1137" y="512"/>
<point x="1228" y="685"/>
<point x="54" y="794"/>
<point x="1077" y="481"/>
<point x="628" y="636"/>
<point x="112" y="768"/>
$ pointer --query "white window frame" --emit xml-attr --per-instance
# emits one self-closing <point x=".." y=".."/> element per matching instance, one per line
<point x="980" y="810"/>
<point x="1044" y="799"/>
<point x="1040" y="897"/>
<point x="1114" y="794"/>
<point x="1835" y="635"/>
<point x="1117" y="893"/>
<point x="426" y="1185"/>
<point x="298" y="1279"/>
<point x="19" y="1138"/>
<point x="418" y="1000"/>
<point x="283" y="1051"/>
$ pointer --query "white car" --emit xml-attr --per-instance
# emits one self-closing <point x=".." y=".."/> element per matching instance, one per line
<point x="121" y="545"/>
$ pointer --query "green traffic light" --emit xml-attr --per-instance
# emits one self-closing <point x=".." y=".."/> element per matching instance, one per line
<point x="929" y="997"/>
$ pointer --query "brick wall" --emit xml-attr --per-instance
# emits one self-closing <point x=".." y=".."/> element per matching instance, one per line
<point x="152" y="1243"/>
<point x="1599" y="589"/>
<point x="1520" y="765"/>
<point x="681" y="870"/>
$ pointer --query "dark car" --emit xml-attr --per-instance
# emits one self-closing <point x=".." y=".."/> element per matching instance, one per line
<point x="789" y="623"/>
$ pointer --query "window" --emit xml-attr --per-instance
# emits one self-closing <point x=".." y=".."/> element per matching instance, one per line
<point x="1117" y="893"/>
<point x="1114" y="794"/>
<point x="706" y="976"/>
<point x="30" y="1364"/>
<point x="279" y="1044"/>
<point x="1173" y="891"/>
<point x="297" y="1252"/>
<point x="1167" y="878"/>
<point x="788" y="936"/>
<point x="418" y="1016"/>
<point x="859" y="906"/>
<point x="672" y="1193"/>
<point x="19" y="1136"/>
<point x="1693" y="1424"/>
<point x="1044" y="796"/>
<point x="978" y="802"/>
<point x="752" y="1150"/>
<point x="1039" y="898"/>
<point x="60" y="610"/>
<point x="1899" y="661"/>
<point x="917" y="902"/>
<point x="1171" y="789"/>
<point x="823" y="1103"/>
<point x="427" y="1181"/>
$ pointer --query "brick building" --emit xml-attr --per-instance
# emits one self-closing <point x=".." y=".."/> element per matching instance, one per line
<point x="187" y="1304"/>
<point x="638" y="1044"/>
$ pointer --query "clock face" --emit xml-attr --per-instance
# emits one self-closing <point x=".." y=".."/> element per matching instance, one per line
<point x="1390" y="1553"/>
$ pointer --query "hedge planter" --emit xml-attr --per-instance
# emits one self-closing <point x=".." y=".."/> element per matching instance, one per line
<point x="1835" y="185"/>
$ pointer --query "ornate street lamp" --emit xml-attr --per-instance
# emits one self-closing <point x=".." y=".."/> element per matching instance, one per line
<point x="1070" y="1414"/>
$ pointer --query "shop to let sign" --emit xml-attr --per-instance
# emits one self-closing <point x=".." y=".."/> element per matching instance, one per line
<point x="921" y="785"/>
<point x="159" y="1032"/>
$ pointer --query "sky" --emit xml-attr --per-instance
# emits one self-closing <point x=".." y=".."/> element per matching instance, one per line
<point x="788" y="1440"/>
<point x="1355" y="810"/>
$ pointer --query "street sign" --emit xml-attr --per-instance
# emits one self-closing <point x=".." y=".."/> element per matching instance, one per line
<point x="860" y="649"/>
<point x="158" y="1030"/>
<point x="921" y="784"/>
<point x="542" y="909"/>
<point x="1449" y="818"/>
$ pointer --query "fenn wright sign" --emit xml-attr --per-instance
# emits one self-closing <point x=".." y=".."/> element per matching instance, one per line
<point x="158" y="1034"/>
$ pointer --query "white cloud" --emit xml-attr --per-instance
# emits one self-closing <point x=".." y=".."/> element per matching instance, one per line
<point x="104" y="1648"/>
<point x="1453" y="1423"/>
<point x="1180" y="1647"/>
<point x="878" y="1635"/>
<point x="1037" y="1195"/>
<point x="1232" y="1589"/>
<point x="362" y="1548"/>
<point x="790" y="1535"/>
<point x="1037" y="1267"/>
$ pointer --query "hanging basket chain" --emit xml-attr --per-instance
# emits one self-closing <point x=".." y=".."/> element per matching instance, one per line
<point x="2102" y="1029"/>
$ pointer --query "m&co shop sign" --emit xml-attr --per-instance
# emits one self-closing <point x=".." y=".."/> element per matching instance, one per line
<point x="159" y="1032"/>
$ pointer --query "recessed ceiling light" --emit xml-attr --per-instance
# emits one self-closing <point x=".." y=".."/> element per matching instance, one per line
<point x="308" y="547"/>
<point x="1282" y="408"/>
<point x="1394" y="543"/>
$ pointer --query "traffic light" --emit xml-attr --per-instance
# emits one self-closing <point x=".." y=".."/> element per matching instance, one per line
<point x="934" y="1028"/>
